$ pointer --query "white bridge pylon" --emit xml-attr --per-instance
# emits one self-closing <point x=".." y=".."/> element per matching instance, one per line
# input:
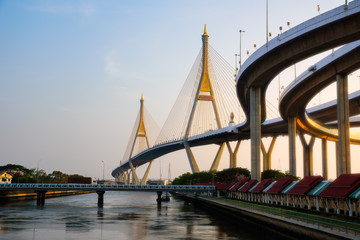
<point x="206" y="102"/>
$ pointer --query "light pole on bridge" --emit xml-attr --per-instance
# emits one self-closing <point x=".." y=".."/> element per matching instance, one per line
<point x="240" y="31"/>
<point x="103" y="170"/>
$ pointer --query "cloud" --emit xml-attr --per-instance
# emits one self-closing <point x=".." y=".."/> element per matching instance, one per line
<point x="112" y="66"/>
<point x="115" y="68"/>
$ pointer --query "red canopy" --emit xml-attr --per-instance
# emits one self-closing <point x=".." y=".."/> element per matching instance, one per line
<point x="249" y="185"/>
<point x="305" y="185"/>
<point x="262" y="185"/>
<point x="343" y="186"/>
<point x="280" y="185"/>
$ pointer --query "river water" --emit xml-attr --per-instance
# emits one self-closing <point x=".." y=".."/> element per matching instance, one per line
<point x="125" y="215"/>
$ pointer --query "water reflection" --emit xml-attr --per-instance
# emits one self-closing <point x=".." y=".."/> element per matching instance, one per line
<point x="128" y="215"/>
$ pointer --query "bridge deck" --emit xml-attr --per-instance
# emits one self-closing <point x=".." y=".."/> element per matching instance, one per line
<point x="103" y="187"/>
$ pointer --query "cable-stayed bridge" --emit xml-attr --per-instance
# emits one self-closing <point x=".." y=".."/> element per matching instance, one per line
<point x="207" y="110"/>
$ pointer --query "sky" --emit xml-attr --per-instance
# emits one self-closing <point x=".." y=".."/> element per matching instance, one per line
<point x="72" y="74"/>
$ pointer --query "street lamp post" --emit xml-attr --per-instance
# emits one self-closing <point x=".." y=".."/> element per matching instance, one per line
<point x="240" y="31"/>
<point x="103" y="170"/>
<point x="37" y="169"/>
<point x="267" y="23"/>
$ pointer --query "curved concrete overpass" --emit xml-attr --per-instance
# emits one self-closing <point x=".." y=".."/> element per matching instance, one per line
<point x="331" y="29"/>
<point x="298" y="94"/>
<point x="328" y="30"/>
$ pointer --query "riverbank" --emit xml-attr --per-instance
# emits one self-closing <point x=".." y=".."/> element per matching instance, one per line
<point x="279" y="223"/>
<point x="17" y="196"/>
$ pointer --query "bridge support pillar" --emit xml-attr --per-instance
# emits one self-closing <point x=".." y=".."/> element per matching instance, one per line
<point x="127" y="177"/>
<point x="40" y="200"/>
<point x="123" y="178"/>
<point x="324" y="151"/>
<point x="292" y="145"/>
<point x="192" y="161"/>
<point x="118" y="177"/>
<point x="307" y="154"/>
<point x="216" y="162"/>
<point x="255" y="131"/>
<point x="159" y="193"/>
<point x="267" y="154"/>
<point x="146" y="174"/>
<point x="233" y="155"/>
<point x="135" y="179"/>
<point x="100" y="198"/>
<point x="344" y="163"/>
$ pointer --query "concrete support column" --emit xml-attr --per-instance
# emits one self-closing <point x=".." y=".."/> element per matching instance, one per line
<point x="192" y="161"/>
<point x="146" y="174"/>
<point x="128" y="178"/>
<point x="123" y="177"/>
<point x="255" y="131"/>
<point x="292" y="145"/>
<point x="343" y="124"/>
<point x="100" y="198"/>
<point x="159" y="193"/>
<point x="338" y="173"/>
<point x="40" y="200"/>
<point x="135" y="179"/>
<point x="118" y="177"/>
<point x="307" y="154"/>
<point x="267" y="154"/>
<point x="216" y="162"/>
<point x="324" y="150"/>
<point x="233" y="155"/>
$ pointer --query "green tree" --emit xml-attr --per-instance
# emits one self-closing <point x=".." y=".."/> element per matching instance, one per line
<point x="208" y="177"/>
<point x="25" y="175"/>
<point x="276" y="175"/>
<point x="58" y="177"/>
<point x="232" y="174"/>
<point x="76" y="175"/>
<point x="184" y="179"/>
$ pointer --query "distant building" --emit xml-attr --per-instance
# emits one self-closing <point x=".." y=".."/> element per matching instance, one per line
<point x="158" y="182"/>
<point x="82" y="180"/>
<point x="106" y="181"/>
<point x="5" y="177"/>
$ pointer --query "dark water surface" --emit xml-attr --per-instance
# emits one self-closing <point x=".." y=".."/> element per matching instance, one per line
<point x="125" y="215"/>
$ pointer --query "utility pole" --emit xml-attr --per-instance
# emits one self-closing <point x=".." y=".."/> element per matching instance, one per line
<point x="267" y="23"/>
<point x="103" y="170"/>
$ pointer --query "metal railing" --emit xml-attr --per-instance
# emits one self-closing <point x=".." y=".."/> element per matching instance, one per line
<point x="104" y="187"/>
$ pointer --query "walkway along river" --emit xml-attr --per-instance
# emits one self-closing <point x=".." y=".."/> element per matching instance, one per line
<point x="125" y="215"/>
<point x="285" y="222"/>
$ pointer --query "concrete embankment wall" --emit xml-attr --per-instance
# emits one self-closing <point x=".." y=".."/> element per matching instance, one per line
<point x="14" y="196"/>
<point x="285" y="228"/>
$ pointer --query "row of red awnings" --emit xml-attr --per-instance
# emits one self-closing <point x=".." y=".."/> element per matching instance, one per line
<point x="342" y="187"/>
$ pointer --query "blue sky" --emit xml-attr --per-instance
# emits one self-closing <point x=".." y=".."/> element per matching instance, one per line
<point x="72" y="72"/>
